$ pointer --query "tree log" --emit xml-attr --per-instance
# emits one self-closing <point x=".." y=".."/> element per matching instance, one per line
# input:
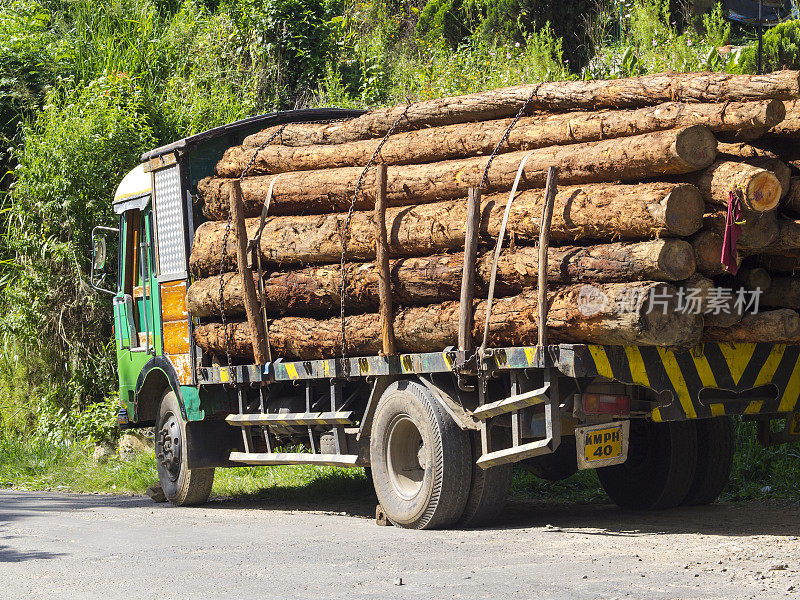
<point x="783" y="263"/>
<point x="784" y="293"/>
<point x="553" y="96"/>
<point x="761" y="190"/>
<point x="328" y="190"/>
<point x="471" y="139"/>
<point x="591" y="212"/>
<point x="707" y="246"/>
<point x="513" y="322"/>
<point x="430" y="279"/>
<point x="790" y="125"/>
<point x="787" y="240"/>
<point x="759" y="230"/>
<point x="757" y="157"/>
<point x="756" y="278"/>
<point x="792" y="201"/>
<point x="773" y="326"/>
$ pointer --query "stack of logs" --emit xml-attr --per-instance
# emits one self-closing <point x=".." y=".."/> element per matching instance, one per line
<point x="647" y="169"/>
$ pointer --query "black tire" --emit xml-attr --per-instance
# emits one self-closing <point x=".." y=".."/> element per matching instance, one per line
<point x="715" y="446"/>
<point x="489" y="488"/>
<point x="410" y="428"/>
<point x="182" y="486"/>
<point x="660" y="466"/>
<point x="557" y="466"/>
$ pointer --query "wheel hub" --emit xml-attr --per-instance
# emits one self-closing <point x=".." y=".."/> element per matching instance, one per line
<point x="170" y="442"/>
<point x="406" y="457"/>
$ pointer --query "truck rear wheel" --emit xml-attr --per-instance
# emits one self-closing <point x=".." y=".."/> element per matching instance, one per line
<point x="556" y="466"/>
<point x="420" y="459"/>
<point x="489" y="488"/>
<point x="715" y="445"/>
<point x="182" y="486"/>
<point x="660" y="466"/>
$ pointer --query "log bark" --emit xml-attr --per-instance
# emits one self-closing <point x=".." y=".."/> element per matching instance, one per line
<point x="513" y="322"/>
<point x="552" y="96"/>
<point x="462" y="140"/>
<point x="591" y="212"/>
<point x="784" y="293"/>
<point x="760" y="189"/>
<point x="773" y="326"/>
<point x="430" y="279"/>
<point x="324" y="191"/>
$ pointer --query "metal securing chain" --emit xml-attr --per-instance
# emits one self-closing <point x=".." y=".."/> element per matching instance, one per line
<point x="506" y="133"/>
<point x="225" y="247"/>
<point x="346" y="226"/>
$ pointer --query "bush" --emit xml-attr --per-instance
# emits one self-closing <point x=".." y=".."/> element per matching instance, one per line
<point x="73" y="156"/>
<point x="781" y="49"/>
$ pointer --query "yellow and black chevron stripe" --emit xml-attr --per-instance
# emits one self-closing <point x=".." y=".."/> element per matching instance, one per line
<point x="684" y="373"/>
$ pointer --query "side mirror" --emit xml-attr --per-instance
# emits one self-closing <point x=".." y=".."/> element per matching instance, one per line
<point x="99" y="254"/>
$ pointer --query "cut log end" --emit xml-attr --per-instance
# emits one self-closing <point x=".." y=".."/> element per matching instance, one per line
<point x="763" y="191"/>
<point x="697" y="146"/>
<point x="676" y="260"/>
<point x="684" y="210"/>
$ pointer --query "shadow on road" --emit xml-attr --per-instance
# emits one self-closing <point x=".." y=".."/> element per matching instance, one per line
<point x="355" y="498"/>
<point x="8" y="555"/>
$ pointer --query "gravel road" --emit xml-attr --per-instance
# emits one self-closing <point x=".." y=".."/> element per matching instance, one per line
<point x="96" y="546"/>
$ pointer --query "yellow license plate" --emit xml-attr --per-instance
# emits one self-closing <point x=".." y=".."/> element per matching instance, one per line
<point x="602" y="444"/>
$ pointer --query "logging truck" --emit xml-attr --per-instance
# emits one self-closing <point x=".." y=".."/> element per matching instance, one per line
<point x="439" y="430"/>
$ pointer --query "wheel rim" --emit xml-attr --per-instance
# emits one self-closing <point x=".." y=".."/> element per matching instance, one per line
<point x="170" y="442"/>
<point x="406" y="457"/>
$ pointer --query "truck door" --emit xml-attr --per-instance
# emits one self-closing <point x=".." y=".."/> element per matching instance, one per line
<point x="134" y="305"/>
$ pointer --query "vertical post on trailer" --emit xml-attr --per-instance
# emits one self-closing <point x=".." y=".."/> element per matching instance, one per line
<point x="465" y="309"/>
<point x="258" y="333"/>
<point x="382" y="259"/>
<point x="544" y="244"/>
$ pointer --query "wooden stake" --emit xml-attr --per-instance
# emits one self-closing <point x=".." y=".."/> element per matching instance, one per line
<point x="544" y="244"/>
<point x="382" y="260"/>
<point x="465" y="310"/>
<point x="251" y="305"/>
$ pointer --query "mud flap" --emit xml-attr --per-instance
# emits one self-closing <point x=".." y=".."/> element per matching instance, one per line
<point x="210" y="443"/>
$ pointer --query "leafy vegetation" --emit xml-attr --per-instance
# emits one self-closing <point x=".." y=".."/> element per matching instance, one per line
<point x="85" y="87"/>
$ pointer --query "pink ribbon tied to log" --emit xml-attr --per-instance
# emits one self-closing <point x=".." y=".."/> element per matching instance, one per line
<point x="733" y="230"/>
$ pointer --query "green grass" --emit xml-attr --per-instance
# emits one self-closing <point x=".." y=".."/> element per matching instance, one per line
<point x="758" y="474"/>
<point x="39" y="465"/>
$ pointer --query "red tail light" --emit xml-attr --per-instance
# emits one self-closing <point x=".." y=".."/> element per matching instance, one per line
<point x="606" y="404"/>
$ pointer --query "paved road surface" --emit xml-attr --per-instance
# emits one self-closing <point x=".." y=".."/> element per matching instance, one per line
<point x="91" y="546"/>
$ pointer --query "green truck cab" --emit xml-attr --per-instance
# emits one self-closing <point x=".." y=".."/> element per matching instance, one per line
<point x="440" y="430"/>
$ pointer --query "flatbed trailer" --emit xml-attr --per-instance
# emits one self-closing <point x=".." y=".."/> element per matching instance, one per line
<point x="440" y="430"/>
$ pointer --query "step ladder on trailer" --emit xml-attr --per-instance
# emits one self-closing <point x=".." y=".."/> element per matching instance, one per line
<point x="271" y="423"/>
<point x="548" y="394"/>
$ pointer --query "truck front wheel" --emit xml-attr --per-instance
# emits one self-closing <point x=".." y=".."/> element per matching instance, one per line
<point x="420" y="459"/>
<point x="182" y="486"/>
<point x="660" y="468"/>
